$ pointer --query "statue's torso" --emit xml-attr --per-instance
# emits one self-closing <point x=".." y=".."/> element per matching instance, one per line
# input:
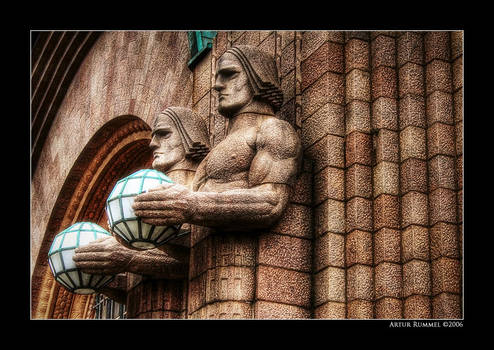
<point x="227" y="165"/>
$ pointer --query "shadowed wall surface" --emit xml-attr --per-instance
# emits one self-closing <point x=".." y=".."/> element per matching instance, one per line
<point x="374" y="227"/>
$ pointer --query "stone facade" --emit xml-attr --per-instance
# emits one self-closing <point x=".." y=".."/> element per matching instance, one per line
<point x="374" y="225"/>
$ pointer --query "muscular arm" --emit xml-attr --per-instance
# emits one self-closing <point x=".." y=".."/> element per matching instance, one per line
<point x="257" y="207"/>
<point x="108" y="257"/>
<point x="272" y="172"/>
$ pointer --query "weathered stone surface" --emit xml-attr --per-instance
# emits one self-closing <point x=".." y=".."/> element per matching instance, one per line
<point x="360" y="282"/>
<point x="385" y="113"/>
<point x="330" y="310"/>
<point x="417" y="307"/>
<point x="358" y="248"/>
<point x="279" y="285"/>
<point x="360" y="309"/>
<point x="416" y="278"/>
<point x="285" y="251"/>
<point x="329" y="251"/>
<point x="329" y="285"/>
<point x="388" y="280"/>
<point x="415" y="243"/>
<point x="268" y="310"/>
<point x="387" y="245"/>
<point x="389" y="308"/>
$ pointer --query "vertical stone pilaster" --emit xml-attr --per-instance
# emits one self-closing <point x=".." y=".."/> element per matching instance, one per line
<point x="442" y="158"/>
<point x="358" y="167"/>
<point x="386" y="177"/>
<point x="413" y="172"/>
<point x="321" y="117"/>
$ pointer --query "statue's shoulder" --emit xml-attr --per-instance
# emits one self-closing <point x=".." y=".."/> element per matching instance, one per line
<point x="272" y="125"/>
<point x="272" y="122"/>
<point x="278" y="135"/>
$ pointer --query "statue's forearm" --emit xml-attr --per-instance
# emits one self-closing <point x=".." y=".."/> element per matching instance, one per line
<point x="157" y="264"/>
<point x="247" y="208"/>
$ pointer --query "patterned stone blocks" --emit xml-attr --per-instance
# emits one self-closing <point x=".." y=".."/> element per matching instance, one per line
<point x="358" y="149"/>
<point x="327" y="120"/>
<point x="357" y="86"/>
<point x="283" y="286"/>
<point x="387" y="246"/>
<point x="439" y="108"/>
<point x="415" y="243"/>
<point x="413" y="143"/>
<point x="412" y="112"/>
<point x="329" y="216"/>
<point x="386" y="212"/>
<point x="327" y="89"/>
<point x="358" y="248"/>
<point x="416" y="278"/>
<point x="444" y="241"/>
<point x="285" y="251"/>
<point x="269" y="310"/>
<point x="328" y="151"/>
<point x="329" y="285"/>
<point x="383" y="51"/>
<point x="329" y="250"/>
<point x="411" y="79"/>
<point x="388" y="280"/>
<point x="356" y="55"/>
<point x="410" y="48"/>
<point x="358" y="117"/>
<point x="358" y="181"/>
<point x="438" y="77"/>
<point x="360" y="283"/>
<point x="328" y="57"/>
<point x="330" y="310"/>
<point x="385" y="114"/>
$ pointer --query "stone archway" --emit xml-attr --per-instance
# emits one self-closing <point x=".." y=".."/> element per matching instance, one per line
<point x="119" y="148"/>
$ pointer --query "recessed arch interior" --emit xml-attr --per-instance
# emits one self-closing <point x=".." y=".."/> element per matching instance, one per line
<point x="119" y="148"/>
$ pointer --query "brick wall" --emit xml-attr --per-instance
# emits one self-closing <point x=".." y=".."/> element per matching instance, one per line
<point x="382" y="121"/>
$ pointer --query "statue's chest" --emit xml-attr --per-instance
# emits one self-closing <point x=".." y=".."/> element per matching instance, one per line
<point x="233" y="155"/>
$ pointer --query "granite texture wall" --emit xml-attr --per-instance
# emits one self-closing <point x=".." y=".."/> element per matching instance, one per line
<point x="374" y="227"/>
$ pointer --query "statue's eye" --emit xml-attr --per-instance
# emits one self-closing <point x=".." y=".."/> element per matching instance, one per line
<point x="163" y="133"/>
<point x="229" y="73"/>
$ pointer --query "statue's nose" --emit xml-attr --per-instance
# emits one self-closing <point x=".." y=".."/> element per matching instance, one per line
<point x="154" y="143"/>
<point x="218" y="86"/>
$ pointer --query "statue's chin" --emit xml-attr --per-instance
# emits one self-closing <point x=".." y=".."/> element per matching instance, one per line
<point x="227" y="112"/>
<point x="160" y="166"/>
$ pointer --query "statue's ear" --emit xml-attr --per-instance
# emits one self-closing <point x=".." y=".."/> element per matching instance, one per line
<point x="197" y="151"/>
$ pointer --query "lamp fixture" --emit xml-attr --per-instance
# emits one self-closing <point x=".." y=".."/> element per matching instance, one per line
<point x="63" y="267"/>
<point x="122" y="219"/>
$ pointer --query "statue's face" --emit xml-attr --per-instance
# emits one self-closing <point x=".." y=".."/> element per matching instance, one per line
<point x="166" y="144"/>
<point x="232" y="84"/>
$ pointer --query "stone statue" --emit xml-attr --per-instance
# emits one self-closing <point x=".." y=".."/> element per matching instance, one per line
<point x="244" y="182"/>
<point x="179" y="141"/>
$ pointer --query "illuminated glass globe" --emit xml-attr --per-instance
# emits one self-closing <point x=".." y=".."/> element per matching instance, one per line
<point x="63" y="267"/>
<point x="121" y="216"/>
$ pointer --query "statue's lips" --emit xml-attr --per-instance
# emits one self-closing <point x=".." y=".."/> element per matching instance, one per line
<point x="156" y="155"/>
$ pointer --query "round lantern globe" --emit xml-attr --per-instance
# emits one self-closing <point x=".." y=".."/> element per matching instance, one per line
<point x="122" y="219"/>
<point x="63" y="267"/>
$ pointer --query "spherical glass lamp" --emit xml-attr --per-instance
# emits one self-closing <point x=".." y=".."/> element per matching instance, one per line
<point x="63" y="267"/>
<point x="121" y="216"/>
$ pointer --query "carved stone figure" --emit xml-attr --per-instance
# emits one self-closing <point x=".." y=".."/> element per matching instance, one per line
<point x="179" y="141"/>
<point x="244" y="182"/>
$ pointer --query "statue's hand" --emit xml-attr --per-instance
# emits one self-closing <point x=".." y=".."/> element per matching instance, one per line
<point x="168" y="204"/>
<point x="104" y="256"/>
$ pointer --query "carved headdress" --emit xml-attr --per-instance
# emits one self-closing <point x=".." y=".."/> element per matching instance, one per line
<point x="262" y="73"/>
<point x="192" y="130"/>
